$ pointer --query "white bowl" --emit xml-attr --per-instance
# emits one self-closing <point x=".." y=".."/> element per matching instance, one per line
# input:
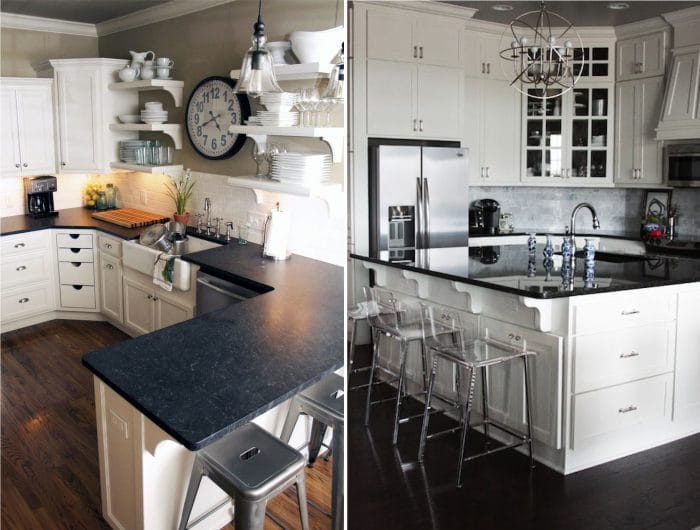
<point x="317" y="46"/>
<point x="129" y="118"/>
<point x="153" y="105"/>
<point x="278" y="49"/>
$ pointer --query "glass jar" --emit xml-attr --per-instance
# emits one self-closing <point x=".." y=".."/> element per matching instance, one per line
<point x="111" y="196"/>
<point x="101" y="201"/>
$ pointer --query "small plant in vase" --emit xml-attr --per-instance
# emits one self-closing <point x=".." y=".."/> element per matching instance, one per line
<point x="180" y="191"/>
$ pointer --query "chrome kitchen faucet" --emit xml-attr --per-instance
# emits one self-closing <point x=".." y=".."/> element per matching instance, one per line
<point x="596" y="223"/>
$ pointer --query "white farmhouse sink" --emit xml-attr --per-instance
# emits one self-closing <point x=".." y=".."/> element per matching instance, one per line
<point x="143" y="259"/>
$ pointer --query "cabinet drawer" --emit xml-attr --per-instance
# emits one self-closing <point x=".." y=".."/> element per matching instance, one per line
<point x="619" y="407"/>
<point x="622" y="310"/>
<point x="82" y="296"/>
<point x="75" y="254"/>
<point x="24" y="302"/>
<point x="76" y="272"/>
<point x="27" y="242"/>
<point x="614" y="357"/>
<point x="25" y="268"/>
<point x="73" y="240"/>
<point x="110" y="245"/>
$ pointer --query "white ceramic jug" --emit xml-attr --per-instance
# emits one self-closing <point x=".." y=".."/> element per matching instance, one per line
<point x="129" y="73"/>
<point x="141" y="57"/>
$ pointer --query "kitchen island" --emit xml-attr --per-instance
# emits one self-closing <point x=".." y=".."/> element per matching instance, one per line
<point x="617" y="358"/>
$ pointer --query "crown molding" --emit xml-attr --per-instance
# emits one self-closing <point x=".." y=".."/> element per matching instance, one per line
<point x="47" y="25"/>
<point x="643" y="27"/>
<point x="690" y="14"/>
<point x="425" y="6"/>
<point x="159" y="13"/>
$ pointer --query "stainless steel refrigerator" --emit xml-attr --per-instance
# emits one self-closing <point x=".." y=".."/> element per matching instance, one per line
<point x="418" y="197"/>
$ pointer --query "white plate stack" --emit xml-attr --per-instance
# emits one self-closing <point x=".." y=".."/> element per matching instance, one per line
<point x="154" y="113"/>
<point x="303" y="169"/>
<point x="279" y="110"/>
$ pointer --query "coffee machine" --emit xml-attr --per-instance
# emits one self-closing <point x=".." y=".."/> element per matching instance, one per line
<point x="484" y="216"/>
<point x="39" y="191"/>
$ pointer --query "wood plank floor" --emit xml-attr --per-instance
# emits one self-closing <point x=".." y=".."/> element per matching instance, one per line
<point x="49" y="462"/>
<point x="656" y="489"/>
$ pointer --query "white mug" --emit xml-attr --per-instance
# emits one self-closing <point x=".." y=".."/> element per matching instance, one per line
<point x="165" y="61"/>
<point x="163" y="72"/>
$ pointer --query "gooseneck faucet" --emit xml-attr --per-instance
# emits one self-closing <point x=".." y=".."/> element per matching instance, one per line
<point x="596" y="222"/>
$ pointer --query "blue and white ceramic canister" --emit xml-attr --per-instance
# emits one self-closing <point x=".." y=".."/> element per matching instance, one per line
<point x="531" y="266"/>
<point x="589" y="249"/>
<point x="548" y="248"/>
<point x="566" y="249"/>
<point x="531" y="243"/>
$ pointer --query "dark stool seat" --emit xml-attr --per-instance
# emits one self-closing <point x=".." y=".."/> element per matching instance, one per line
<point x="251" y="466"/>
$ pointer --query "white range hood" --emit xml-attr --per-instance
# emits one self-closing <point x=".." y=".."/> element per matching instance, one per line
<point x="680" y="115"/>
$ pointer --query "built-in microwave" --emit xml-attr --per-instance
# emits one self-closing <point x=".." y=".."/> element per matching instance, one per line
<point x="682" y="164"/>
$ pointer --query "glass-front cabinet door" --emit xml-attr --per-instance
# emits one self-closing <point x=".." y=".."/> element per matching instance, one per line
<point x="567" y="137"/>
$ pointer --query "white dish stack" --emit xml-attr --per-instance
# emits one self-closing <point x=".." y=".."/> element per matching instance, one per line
<point x="154" y="113"/>
<point x="278" y="113"/>
<point x="303" y="169"/>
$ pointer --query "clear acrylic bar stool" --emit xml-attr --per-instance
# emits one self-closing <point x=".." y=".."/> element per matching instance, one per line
<point x="251" y="466"/>
<point x="444" y="337"/>
<point x="324" y="402"/>
<point x="398" y="319"/>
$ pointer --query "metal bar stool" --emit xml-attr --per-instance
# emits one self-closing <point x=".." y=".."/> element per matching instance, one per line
<point x="471" y="356"/>
<point x="251" y="466"/>
<point x="400" y="320"/>
<point x="356" y="314"/>
<point x="324" y="403"/>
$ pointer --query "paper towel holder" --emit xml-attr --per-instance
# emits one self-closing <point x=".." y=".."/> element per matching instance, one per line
<point x="269" y="249"/>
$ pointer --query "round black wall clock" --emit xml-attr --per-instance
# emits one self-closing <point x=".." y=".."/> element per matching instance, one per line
<point x="214" y="106"/>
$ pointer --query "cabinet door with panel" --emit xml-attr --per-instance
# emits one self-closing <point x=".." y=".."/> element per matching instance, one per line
<point x="641" y="57"/>
<point x="438" y="41"/>
<point x="389" y="35"/>
<point x="439" y="95"/>
<point x="682" y="95"/>
<point x="638" y="105"/>
<point x="139" y="314"/>
<point x="686" y="396"/>
<point x="506" y="383"/>
<point x="10" y="161"/>
<point x="481" y="53"/>
<point x="111" y="289"/>
<point x="390" y="98"/>
<point x="169" y="312"/>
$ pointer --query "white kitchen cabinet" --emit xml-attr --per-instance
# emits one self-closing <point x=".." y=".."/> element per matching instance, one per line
<point x="27" y="134"/>
<point x="686" y="404"/>
<point x="506" y="382"/>
<point x="679" y="116"/>
<point x="637" y="108"/>
<point x="85" y="108"/>
<point x="148" y="308"/>
<point x="400" y="35"/>
<point x="407" y="100"/>
<point x="76" y="270"/>
<point x="492" y="134"/>
<point x="641" y="57"/>
<point x="482" y="57"/>
<point x="111" y="290"/>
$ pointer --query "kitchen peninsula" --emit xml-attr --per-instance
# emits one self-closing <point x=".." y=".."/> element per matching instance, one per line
<point x="167" y="393"/>
<point x="616" y="368"/>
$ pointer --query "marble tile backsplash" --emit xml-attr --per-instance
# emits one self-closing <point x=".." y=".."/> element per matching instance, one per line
<point x="618" y="209"/>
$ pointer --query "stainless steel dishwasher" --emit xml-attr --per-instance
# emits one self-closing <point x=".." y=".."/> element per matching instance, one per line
<point x="215" y="293"/>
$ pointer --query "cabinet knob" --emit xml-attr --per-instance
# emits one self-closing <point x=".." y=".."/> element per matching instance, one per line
<point x="21" y="268"/>
<point x="108" y="245"/>
<point x="25" y="165"/>
<point x="109" y="266"/>
<point x="149" y="297"/>
<point x="63" y="163"/>
<point x="155" y="298"/>
<point x="23" y="300"/>
<point x="19" y="245"/>
<point x="17" y="165"/>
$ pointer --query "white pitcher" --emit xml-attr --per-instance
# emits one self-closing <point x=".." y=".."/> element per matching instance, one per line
<point x="141" y="57"/>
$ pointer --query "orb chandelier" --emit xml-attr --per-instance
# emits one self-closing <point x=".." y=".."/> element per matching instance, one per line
<point x="542" y="51"/>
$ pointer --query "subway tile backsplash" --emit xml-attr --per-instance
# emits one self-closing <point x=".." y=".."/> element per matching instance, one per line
<point x="618" y="209"/>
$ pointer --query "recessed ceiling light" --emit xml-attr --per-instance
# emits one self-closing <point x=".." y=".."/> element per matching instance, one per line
<point x="618" y="6"/>
<point x="502" y="7"/>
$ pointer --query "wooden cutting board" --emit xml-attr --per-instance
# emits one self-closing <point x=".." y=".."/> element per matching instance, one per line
<point x="130" y="217"/>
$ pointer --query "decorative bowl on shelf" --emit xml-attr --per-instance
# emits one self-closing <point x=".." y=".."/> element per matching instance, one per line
<point x="129" y="118"/>
<point x="317" y="46"/>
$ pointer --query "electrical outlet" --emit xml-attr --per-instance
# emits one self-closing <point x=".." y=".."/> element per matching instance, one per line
<point x="256" y="220"/>
<point x="144" y="197"/>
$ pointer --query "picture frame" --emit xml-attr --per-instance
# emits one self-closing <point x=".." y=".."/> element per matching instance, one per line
<point x="652" y="198"/>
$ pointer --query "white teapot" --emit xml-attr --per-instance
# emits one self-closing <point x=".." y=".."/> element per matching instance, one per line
<point x="129" y="73"/>
<point x="141" y="57"/>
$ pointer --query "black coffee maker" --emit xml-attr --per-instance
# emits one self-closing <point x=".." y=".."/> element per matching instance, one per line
<point x="39" y="191"/>
<point x="484" y="216"/>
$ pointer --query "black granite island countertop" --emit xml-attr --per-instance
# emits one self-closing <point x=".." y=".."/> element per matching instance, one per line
<point x="205" y="377"/>
<point x="509" y="268"/>
<point x="68" y="218"/>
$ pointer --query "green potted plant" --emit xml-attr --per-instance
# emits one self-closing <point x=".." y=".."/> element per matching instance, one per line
<point x="180" y="191"/>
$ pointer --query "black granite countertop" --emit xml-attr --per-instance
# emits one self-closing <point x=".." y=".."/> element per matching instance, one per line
<point x="509" y="268"/>
<point x="203" y="378"/>
<point x="68" y="218"/>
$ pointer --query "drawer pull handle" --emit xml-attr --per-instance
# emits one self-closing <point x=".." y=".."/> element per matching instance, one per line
<point x="625" y="410"/>
<point x="630" y="354"/>
<point x="21" y="268"/>
<point x="75" y="263"/>
<point x="632" y="312"/>
<point x="77" y="287"/>
<point x="19" y="245"/>
<point x="75" y="250"/>
<point x="108" y="245"/>
<point x="23" y="300"/>
<point x="74" y="236"/>
<point x="109" y="266"/>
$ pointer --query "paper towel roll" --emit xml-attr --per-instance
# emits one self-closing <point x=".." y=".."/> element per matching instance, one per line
<point x="277" y="235"/>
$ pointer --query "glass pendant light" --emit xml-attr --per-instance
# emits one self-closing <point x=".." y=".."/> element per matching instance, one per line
<point x="257" y="74"/>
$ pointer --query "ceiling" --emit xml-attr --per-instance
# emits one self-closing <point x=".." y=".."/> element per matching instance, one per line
<point x="577" y="12"/>
<point x="88" y="11"/>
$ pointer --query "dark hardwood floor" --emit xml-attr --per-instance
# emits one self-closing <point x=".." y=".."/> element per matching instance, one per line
<point x="49" y="462"/>
<point x="387" y="489"/>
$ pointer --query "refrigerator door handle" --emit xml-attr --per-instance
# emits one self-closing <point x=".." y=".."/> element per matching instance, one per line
<point x="419" y="213"/>
<point x="426" y="213"/>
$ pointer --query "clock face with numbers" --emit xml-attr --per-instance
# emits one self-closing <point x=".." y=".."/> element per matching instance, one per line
<point x="212" y="108"/>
